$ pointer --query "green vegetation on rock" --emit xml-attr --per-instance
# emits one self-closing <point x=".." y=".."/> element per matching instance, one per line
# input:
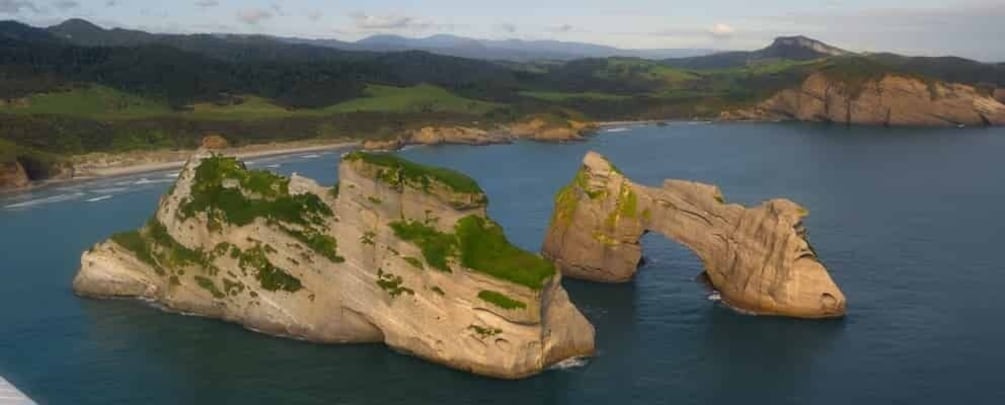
<point x="484" y="332"/>
<point x="414" y="262"/>
<point x="500" y="300"/>
<point x="437" y="247"/>
<point x="484" y="248"/>
<point x="256" y="194"/>
<point x="324" y="245"/>
<point x="480" y="245"/>
<point x="396" y="172"/>
<point x="210" y="286"/>
<point x="154" y="246"/>
<point x="392" y="284"/>
<point x="271" y="277"/>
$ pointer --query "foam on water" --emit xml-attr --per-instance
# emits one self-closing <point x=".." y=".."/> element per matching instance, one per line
<point x="570" y="363"/>
<point x="46" y="200"/>
<point x="101" y="198"/>
<point x="145" y="181"/>
<point x="110" y="190"/>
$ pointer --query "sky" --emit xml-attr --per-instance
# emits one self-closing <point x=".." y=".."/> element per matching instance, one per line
<point x="968" y="28"/>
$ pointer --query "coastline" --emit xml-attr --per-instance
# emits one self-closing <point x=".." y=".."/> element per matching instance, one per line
<point x="90" y="167"/>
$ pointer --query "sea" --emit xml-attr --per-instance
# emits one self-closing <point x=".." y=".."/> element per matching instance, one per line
<point x="908" y="221"/>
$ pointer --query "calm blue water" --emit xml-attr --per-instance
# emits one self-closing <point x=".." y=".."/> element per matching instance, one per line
<point x="910" y="223"/>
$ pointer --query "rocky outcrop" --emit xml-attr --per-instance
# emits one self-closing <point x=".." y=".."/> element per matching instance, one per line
<point x="214" y="142"/>
<point x="757" y="258"/>
<point x="396" y="253"/>
<point x="891" y="100"/>
<point x="12" y="175"/>
<point x="534" y="129"/>
<point x="439" y="136"/>
<point x="456" y="135"/>
<point x="551" y="130"/>
<point x="999" y="95"/>
<point x="383" y="144"/>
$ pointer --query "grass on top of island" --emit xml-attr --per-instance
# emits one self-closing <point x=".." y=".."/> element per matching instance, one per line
<point x="230" y="205"/>
<point x="398" y="170"/>
<point x="480" y="245"/>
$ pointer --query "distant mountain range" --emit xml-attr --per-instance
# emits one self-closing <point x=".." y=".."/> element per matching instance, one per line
<point x="510" y="49"/>
<point x="83" y="32"/>
<point x="783" y="48"/>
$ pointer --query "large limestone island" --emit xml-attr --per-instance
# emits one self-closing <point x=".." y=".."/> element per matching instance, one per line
<point x="397" y="253"/>
<point x="757" y="258"/>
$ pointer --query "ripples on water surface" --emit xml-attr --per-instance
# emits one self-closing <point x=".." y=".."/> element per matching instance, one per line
<point x="910" y="223"/>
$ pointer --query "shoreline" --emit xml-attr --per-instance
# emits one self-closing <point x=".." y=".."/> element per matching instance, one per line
<point x="175" y="159"/>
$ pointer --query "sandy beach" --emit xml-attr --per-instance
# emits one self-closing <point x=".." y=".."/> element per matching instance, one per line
<point x="102" y="165"/>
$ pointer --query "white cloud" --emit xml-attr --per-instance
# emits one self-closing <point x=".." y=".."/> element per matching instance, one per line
<point x="315" y="15"/>
<point x="370" y="22"/>
<point x="253" y="16"/>
<point x="207" y="3"/>
<point x="721" y="30"/>
<point x="15" y="6"/>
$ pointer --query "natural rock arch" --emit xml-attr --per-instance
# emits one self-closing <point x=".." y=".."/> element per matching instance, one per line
<point x="757" y="258"/>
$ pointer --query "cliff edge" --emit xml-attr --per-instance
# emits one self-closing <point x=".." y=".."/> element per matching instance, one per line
<point x="397" y="253"/>
<point x="757" y="258"/>
<point x="891" y="100"/>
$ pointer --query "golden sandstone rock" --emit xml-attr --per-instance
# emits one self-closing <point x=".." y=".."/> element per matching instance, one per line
<point x="892" y="100"/>
<point x="757" y="258"/>
<point x="398" y="253"/>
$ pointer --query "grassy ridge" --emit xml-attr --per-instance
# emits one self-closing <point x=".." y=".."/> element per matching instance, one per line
<point x="101" y="102"/>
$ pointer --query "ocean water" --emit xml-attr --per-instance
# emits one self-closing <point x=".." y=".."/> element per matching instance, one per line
<point x="909" y="222"/>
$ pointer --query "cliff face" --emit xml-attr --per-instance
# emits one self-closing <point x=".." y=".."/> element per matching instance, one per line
<point x="534" y="129"/>
<point x="397" y="253"/>
<point x="541" y="130"/>
<point x="757" y="258"/>
<point x="12" y="175"/>
<point x="892" y="100"/>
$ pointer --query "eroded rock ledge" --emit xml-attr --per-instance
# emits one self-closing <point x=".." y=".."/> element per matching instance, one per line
<point x="540" y="129"/>
<point x="891" y="100"/>
<point x="757" y="258"/>
<point x="397" y="253"/>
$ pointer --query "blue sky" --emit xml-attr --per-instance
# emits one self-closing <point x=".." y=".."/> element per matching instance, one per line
<point x="970" y="28"/>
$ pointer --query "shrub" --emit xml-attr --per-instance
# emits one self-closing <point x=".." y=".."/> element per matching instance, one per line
<point x="437" y="247"/>
<point x="500" y="300"/>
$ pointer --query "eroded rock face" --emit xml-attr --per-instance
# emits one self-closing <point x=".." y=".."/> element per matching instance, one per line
<point x="541" y="130"/>
<point x="214" y="142"/>
<point x="396" y="253"/>
<point x="456" y="135"/>
<point x="892" y="100"/>
<point x="12" y="175"/>
<point x="757" y="258"/>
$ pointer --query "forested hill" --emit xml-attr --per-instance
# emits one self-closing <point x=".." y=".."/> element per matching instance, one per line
<point x="76" y="88"/>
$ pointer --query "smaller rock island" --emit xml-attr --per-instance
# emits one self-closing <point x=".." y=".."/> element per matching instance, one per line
<point x="396" y="252"/>
<point x="757" y="258"/>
